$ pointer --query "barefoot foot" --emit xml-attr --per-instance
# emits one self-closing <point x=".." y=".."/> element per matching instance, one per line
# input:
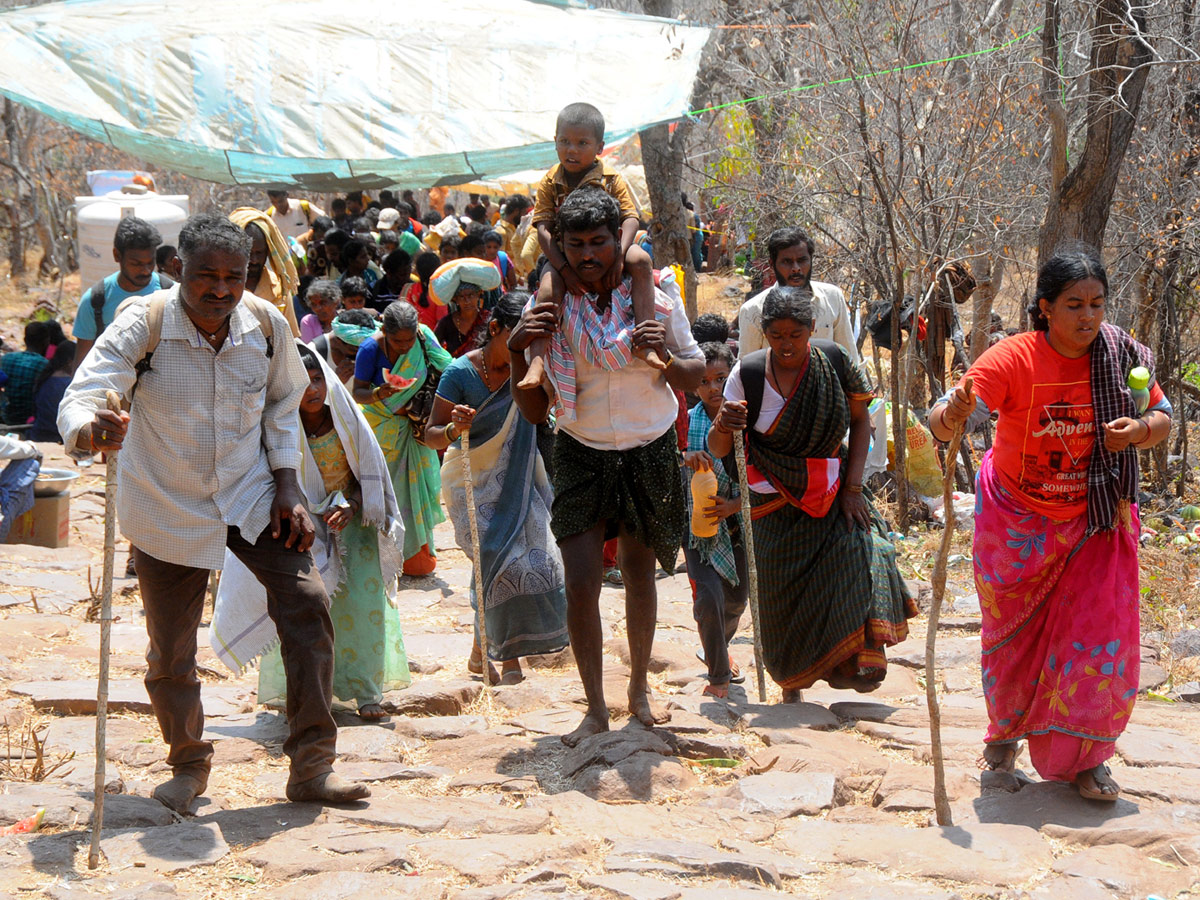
<point x="654" y="361"/>
<point x="593" y="723"/>
<point x="475" y="666"/>
<point x="720" y="691"/>
<point x="511" y="673"/>
<point x="534" y="375"/>
<point x="646" y="710"/>
<point x="178" y="793"/>
<point x="327" y="788"/>
<point x="371" y="712"/>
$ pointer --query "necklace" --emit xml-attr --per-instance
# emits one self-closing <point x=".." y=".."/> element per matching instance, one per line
<point x="321" y="426"/>
<point x="212" y="335"/>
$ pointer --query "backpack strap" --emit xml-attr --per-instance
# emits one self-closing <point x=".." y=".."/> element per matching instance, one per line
<point x="754" y="380"/>
<point x="837" y="355"/>
<point x="154" y="322"/>
<point x="96" y="298"/>
<point x="262" y="311"/>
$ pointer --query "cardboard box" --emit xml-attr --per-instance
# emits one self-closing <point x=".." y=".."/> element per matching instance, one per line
<point x="48" y="524"/>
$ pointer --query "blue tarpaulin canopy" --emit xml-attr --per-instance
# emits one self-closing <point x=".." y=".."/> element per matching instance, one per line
<point x="338" y="94"/>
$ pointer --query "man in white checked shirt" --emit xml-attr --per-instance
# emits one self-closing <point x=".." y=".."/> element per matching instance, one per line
<point x="209" y="457"/>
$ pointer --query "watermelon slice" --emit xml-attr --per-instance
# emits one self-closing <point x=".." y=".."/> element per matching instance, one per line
<point x="397" y="381"/>
<point x="25" y="826"/>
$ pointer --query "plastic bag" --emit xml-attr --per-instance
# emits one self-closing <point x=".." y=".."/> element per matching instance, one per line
<point x="921" y="463"/>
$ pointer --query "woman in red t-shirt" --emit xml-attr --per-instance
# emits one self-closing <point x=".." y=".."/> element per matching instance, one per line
<point x="1056" y="527"/>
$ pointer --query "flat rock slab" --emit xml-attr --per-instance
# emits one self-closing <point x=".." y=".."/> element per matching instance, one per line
<point x="266" y="728"/>
<point x="374" y="743"/>
<point x="440" y="728"/>
<point x="640" y="777"/>
<point x="78" y="698"/>
<point x="785" y="794"/>
<point x="1166" y="784"/>
<point x="631" y="886"/>
<point x="780" y="723"/>
<point x="1041" y="804"/>
<point x="1127" y="871"/>
<point x="357" y="885"/>
<point x="165" y="850"/>
<point x="66" y="808"/>
<point x="488" y="860"/>
<point x="838" y="752"/>
<point x="1170" y="834"/>
<point x="327" y="847"/>
<point x="382" y="771"/>
<point x="689" y="858"/>
<point x="610" y="747"/>
<point x="473" y="815"/>
<point x="988" y="854"/>
<point x="870" y="886"/>
<point x="548" y="721"/>
<point x="951" y="652"/>
<point x="430" y="697"/>
<point x="1141" y="745"/>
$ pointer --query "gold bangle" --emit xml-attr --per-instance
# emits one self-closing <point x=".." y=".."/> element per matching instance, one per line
<point x="446" y="431"/>
<point x="854" y="488"/>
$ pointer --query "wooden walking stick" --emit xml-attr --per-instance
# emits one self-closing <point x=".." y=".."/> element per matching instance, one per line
<point x="474" y="520"/>
<point x="739" y="451"/>
<point x="110" y="543"/>
<point x="941" y="802"/>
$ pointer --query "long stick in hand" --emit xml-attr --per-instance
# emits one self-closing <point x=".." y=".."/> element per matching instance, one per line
<point x="941" y="802"/>
<point x="480" y="603"/>
<point x="739" y="451"/>
<point x="110" y="544"/>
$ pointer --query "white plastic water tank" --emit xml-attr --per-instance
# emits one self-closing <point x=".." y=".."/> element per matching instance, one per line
<point x="97" y="219"/>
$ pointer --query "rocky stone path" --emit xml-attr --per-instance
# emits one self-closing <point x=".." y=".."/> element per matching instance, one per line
<point x="475" y="797"/>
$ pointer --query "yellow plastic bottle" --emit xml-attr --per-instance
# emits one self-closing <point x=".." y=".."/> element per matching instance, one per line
<point x="704" y="486"/>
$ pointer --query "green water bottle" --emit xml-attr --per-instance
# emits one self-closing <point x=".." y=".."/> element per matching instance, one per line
<point x="1139" y="386"/>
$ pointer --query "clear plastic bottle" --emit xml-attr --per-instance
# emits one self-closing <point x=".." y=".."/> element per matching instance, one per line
<point x="704" y="486"/>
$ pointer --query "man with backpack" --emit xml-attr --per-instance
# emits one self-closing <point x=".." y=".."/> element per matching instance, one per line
<point x="293" y="218"/>
<point x="791" y="251"/>
<point x="209" y="461"/>
<point x="134" y="247"/>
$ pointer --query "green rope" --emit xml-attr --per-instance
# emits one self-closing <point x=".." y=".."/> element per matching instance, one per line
<point x="881" y="72"/>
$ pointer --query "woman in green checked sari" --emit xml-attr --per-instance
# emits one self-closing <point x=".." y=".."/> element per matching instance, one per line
<point x="830" y="596"/>
<point x="408" y="349"/>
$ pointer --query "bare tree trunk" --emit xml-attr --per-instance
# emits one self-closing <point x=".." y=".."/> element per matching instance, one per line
<point x="991" y="279"/>
<point x="662" y="157"/>
<point x="1081" y="197"/>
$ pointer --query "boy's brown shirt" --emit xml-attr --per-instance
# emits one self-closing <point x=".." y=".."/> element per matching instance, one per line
<point x="552" y="190"/>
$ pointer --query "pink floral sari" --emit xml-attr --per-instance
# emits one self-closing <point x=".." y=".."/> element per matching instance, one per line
<point x="1061" y="648"/>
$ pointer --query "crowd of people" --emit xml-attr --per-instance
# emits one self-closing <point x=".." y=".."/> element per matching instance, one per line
<point x="322" y="417"/>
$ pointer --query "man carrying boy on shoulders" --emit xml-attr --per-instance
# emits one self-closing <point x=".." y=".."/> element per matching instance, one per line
<point x="616" y="456"/>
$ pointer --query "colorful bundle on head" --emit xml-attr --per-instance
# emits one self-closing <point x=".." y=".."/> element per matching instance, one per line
<point x="451" y="276"/>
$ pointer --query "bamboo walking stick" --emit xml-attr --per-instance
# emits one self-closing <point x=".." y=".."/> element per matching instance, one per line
<point x="480" y="603"/>
<point x="739" y="450"/>
<point x="941" y="802"/>
<point x="110" y="543"/>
